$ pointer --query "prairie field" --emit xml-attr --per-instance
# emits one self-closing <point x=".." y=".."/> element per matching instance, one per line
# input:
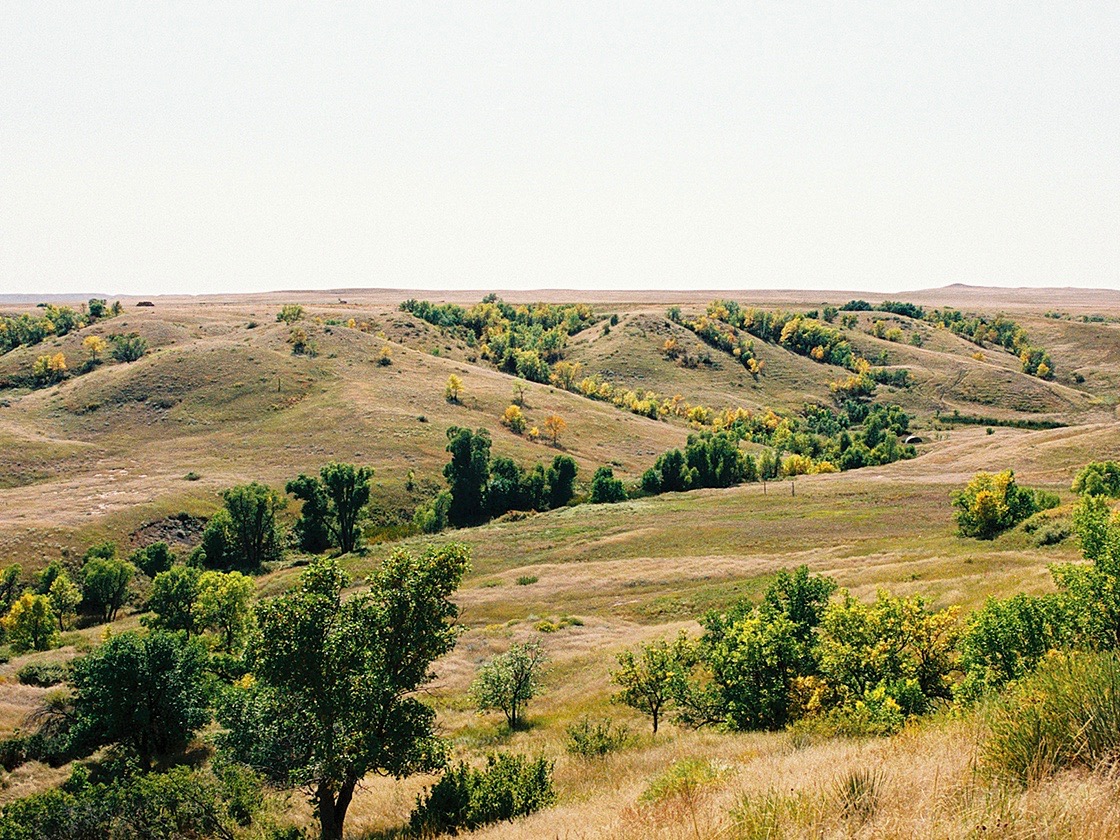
<point x="140" y="451"/>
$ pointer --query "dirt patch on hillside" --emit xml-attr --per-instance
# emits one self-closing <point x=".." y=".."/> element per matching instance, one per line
<point x="182" y="529"/>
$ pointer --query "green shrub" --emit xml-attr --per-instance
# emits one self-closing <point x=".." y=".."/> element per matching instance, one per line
<point x="1066" y="714"/>
<point x="509" y="786"/>
<point x="992" y="502"/>
<point x="682" y="779"/>
<point x="589" y="738"/>
<point x="42" y="674"/>
<point x="527" y="580"/>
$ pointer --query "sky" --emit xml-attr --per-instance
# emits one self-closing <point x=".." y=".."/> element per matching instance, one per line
<point x="151" y="147"/>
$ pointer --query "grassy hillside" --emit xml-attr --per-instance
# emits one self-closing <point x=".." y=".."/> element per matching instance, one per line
<point x="221" y="399"/>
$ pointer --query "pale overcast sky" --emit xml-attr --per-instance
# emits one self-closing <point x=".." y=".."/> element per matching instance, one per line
<point x="151" y="147"/>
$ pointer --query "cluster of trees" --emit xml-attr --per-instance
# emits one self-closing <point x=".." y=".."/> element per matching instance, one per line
<point x="318" y="692"/>
<point x="522" y="340"/>
<point x="481" y="487"/>
<point x="991" y="503"/>
<point x="799" y="654"/>
<point x="714" y="330"/>
<point x="1000" y="330"/>
<point x="797" y="333"/>
<point x="51" y="368"/>
<point x="25" y="330"/>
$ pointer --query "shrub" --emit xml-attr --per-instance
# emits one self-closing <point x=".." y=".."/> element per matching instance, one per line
<point x="1066" y="714"/>
<point x="684" y="779"/>
<point x="128" y="348"/>
<point x="859" y="792"/>
<point x="589" y="738"/>
<point x="605" y="488"/>
<point x="41" y="674"/>
<point x="1099" y="478"/>
<point x="527" y="580"/>
<point x="509" y="786"/>
<point x="992" y="502"/>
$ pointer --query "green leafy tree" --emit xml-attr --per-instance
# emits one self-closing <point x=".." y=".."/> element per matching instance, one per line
<point x="10" y="586"/>
<point x="174" y="600"/>
<point x="335" y="678"/>
<point x="433" y="517"/>
<point x="605" y="488"/>
<point x="153" y="559"/>
<point x="467" y="474"/>
<point x="128" y="348"/>
<point x="510" y="680"/>
<point x="1099" y="478"/>
<point x="561" y="478"/>
<point x="311" y="528"/>
<point x="65" y="597"/>
<point x="31" y="623"/>
<point x="224" y="605"/>
<point x="248" y="535"/>
<point x="347" y="489"/>
<point x="147" y="692"/>
<point x="992" y="502"/>
<point x="652" y="677"/>
<point x="105" y="585"/>
<point x="1096" y="526"/>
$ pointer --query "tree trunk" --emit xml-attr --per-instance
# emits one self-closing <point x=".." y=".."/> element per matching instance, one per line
<point x="656" y="716"/>
<point x="332" y="811"/>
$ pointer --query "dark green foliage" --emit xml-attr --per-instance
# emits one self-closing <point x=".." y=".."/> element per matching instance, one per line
<point x="605" y="488"/>
<point x="105" y="584"/>
<point x="347" y="490"/>
<point x="153" y="559"/>
<point x="589" y="738"/>
<point x="910" y="310"/>
<point x="467" y="475"/>
<point x="334" y="694"/>
<point x="503" y="493"/>
<point x="149" y="693"/>
<point x="561" y="480"/>
<point x="244" y="535"/>
<point x="10" y="586"/>
<point x="42" y="674"/>
<point x="311" y="528"/>
<point x="128" y="348"/>
<point x="465" y="798"/>
<point x="856" y="306"/>
<point x="181" y="803"/>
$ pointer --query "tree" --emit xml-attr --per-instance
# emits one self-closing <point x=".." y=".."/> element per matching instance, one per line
<point x="128" y="348"/>
<point x="347" y="490"/>
<point x="514" y="419"/>
<point x="30" y="623"/>
<point x="554" y="426"/>
<point x="65" y="596"/>
<point x="651" y="678"/>
<point x="49" y="369"/>
<point x="334" y="678"/>
<point x="10" y="586"/>
<point x="224" y="605"/>
<point x="561" y="479"/>
<point x="992" y="502"/>
<point x="95" y="347"/>
<point x="605" y="488"/>
<point x="432" y="517"/>
<point x="1099" y="478"/>
<point x="510" y="680"/>
<point x="174" y="600"/>
<point x="147" y="692"/>
<point x="454" y="390"/>
<point x="153" y="559"/>
<point x="503" y="493"/>
<point x="105" y="583"/>
<point x="252" y="536"/>
<point x="467" y="474"/>
<point x="311" y="528"/>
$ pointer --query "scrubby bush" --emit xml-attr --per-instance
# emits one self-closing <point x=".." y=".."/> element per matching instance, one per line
<point x="42" y="674"/>
<point x="465" y="798"/>
<point x="1066" y="714"/>
<point x="605" y="488"/>
<point x="1099" y="478"/>
<point x="589" y="738"/>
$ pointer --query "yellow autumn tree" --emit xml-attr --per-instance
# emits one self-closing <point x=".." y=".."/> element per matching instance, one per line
<point x="454" y="390"/>
<point x="554" y="426"/>
<point x="514" y="419"/>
